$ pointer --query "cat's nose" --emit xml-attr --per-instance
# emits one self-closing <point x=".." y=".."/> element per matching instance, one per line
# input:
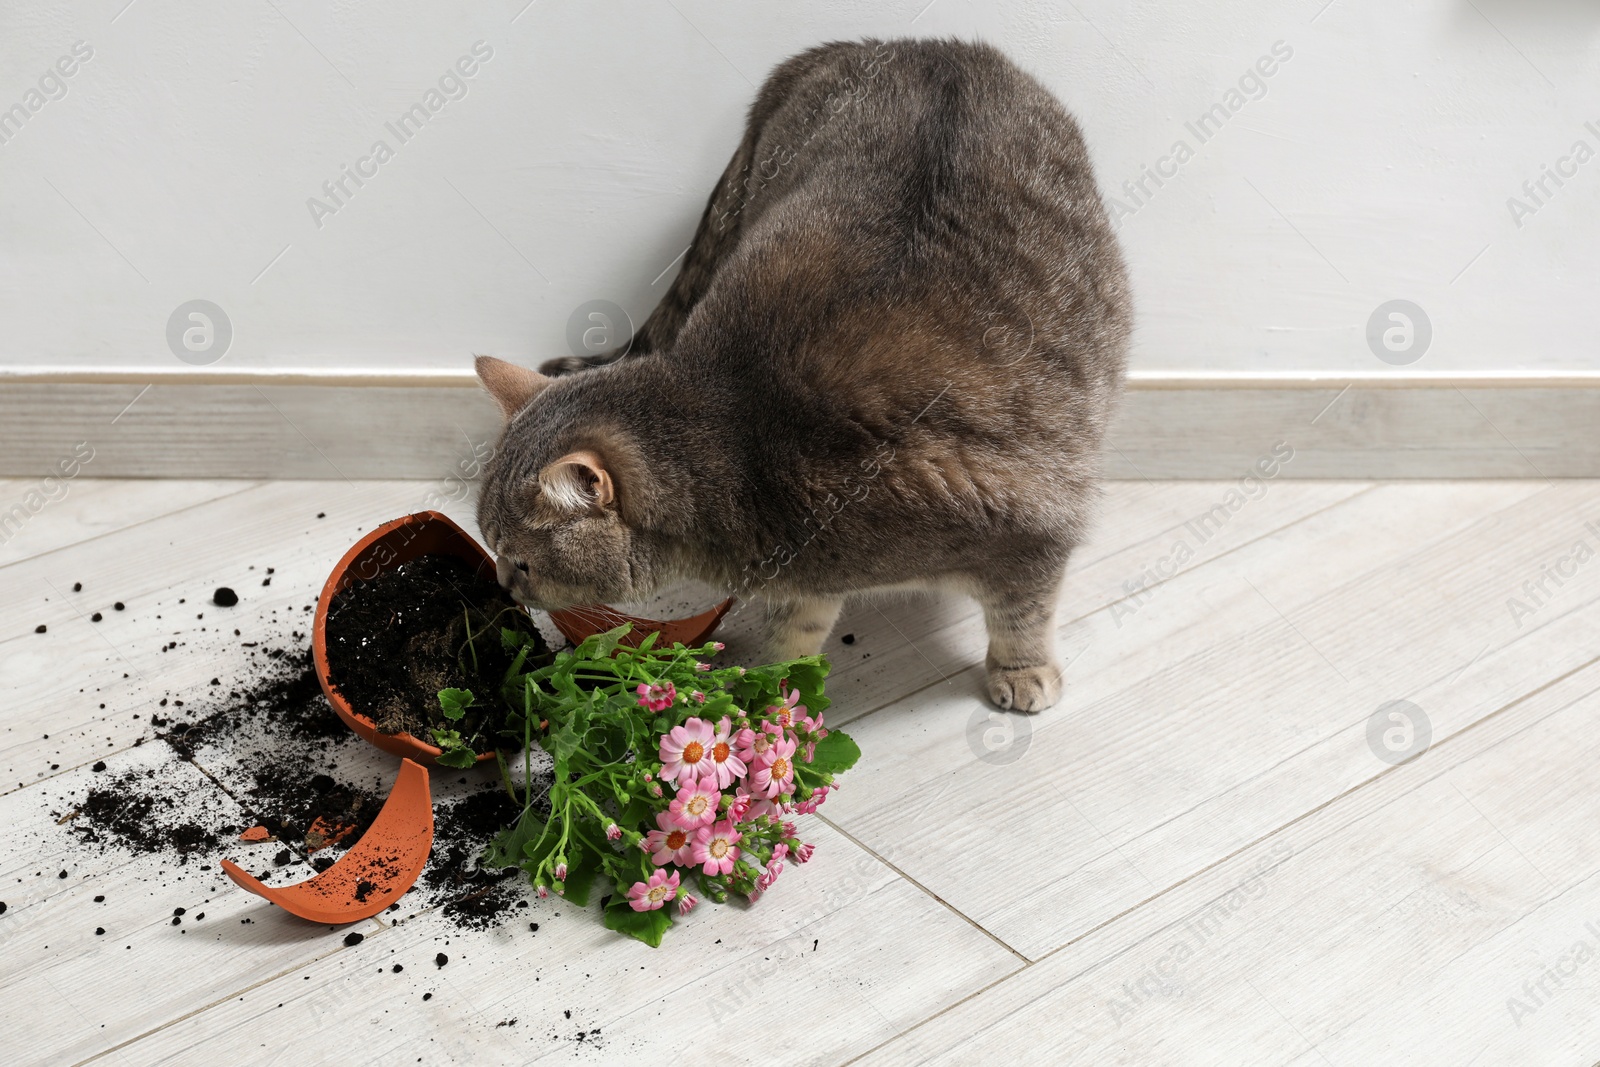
<point x="505" y="570"/>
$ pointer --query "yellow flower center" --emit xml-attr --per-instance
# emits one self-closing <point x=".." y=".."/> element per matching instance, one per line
<point x="693" y="752"/>
<point x="658" y="894"/>
<point x="780" y="769"/>
<point x="718" y="848"/>
<point x="719" y="751"/>
<point x="697" y="804"/>
<point x="676" y="839"/>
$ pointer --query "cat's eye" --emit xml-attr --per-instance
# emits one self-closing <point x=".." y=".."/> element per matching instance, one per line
<point x="521" y="566"/>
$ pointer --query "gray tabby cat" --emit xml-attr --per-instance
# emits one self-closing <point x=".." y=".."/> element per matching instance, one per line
<point x="888" y="362"/>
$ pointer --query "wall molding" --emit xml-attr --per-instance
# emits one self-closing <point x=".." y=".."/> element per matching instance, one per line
<point x="463" y="378"/>
<point x="333" y="423"/>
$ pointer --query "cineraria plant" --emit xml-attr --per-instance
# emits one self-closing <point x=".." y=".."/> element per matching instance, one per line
<point x="673" y="779"/>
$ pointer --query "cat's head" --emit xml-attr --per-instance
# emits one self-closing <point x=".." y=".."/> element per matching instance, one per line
<point x="557" y="497"/>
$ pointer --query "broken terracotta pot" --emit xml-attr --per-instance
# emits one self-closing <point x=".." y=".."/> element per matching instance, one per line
<point x="431" y="533"/>
<point x="426" y="533"/>
<point x="376" y="871"/>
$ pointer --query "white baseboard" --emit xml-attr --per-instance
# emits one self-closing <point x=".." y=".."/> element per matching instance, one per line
<point x="331" y="424"/>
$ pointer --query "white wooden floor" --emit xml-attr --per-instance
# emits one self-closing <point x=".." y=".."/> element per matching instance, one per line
<point x="1201" y="856"/>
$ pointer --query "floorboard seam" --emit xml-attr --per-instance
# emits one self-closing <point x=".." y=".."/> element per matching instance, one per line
<point x="135" y="525"/>
<point x="958" y="671"/>
<point x="848" y="836"/>
<point x="1358" y="787"/>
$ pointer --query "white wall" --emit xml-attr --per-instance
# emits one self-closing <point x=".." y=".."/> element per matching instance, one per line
<point x="179" y="163"/>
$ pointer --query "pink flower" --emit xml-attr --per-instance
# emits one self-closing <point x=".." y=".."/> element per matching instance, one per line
<point x="696" y="804"/>
<point x="814" y="731"/>
<point x="699" y="697"/>
<point x="561" y="872"/>
<point x="702" y="667"/>
<point x="750" y="745"/>
<point x="787" y="711"/>
<point x="727" y="767"/>
<point x="686" y="751"/>
<point x="818" y="795"/>
<point x="686" y="903"/>
<point x="803" y="851"/>
<point x="752" y="806"/>
<point x="774" y="773"/>
<point x="658" y="697"/>
<point x="718" y="645"/>
<point x="613" y="832"/>
<point x="716" y="848"/>
<point x="780" y="850"/>
<point x="670" y="844"/>
<point x="543" y="892"/>
<point x="648" y="896"/>
<point x="770" y="875"/>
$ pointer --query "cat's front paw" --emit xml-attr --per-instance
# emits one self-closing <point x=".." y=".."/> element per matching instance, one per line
<point x="1024" y="688"/>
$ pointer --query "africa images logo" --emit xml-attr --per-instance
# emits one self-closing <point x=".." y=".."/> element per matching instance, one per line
<point x="1251" y="86"/>
<point x="453" y="84"/>
<point x="51" y="85"/>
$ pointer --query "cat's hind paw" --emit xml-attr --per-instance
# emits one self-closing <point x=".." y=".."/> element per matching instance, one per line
<point x="1024" y="688"/>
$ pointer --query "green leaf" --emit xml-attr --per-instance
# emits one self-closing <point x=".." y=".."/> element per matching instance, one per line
<point x="455" y="702"/>
<point x="600" y="646"/>
<point x="836" y="754"/>
<point x="506" y="849"/>
<point x="459" y="758"/>
<point x="582" y="866"/>
<point x="647" y="926"/>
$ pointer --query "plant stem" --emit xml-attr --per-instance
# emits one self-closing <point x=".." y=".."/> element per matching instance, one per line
<point x="466" y="618"/>
<point x="505" y="774"/>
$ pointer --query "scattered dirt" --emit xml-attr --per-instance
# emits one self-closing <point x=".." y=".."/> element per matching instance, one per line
<point x="281" y="743"/>
<point x="478" y="898"/>
<point x="138" y="810"/>
<point x="396" y="640"/>
<point x="224" y="597"/>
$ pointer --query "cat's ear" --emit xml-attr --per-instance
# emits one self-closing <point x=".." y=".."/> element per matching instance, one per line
<point x="510" y="385"/>
<point x="578" y="481"/>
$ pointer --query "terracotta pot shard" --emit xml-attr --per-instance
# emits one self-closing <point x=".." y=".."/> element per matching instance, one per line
<point x="376" y="871"/>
